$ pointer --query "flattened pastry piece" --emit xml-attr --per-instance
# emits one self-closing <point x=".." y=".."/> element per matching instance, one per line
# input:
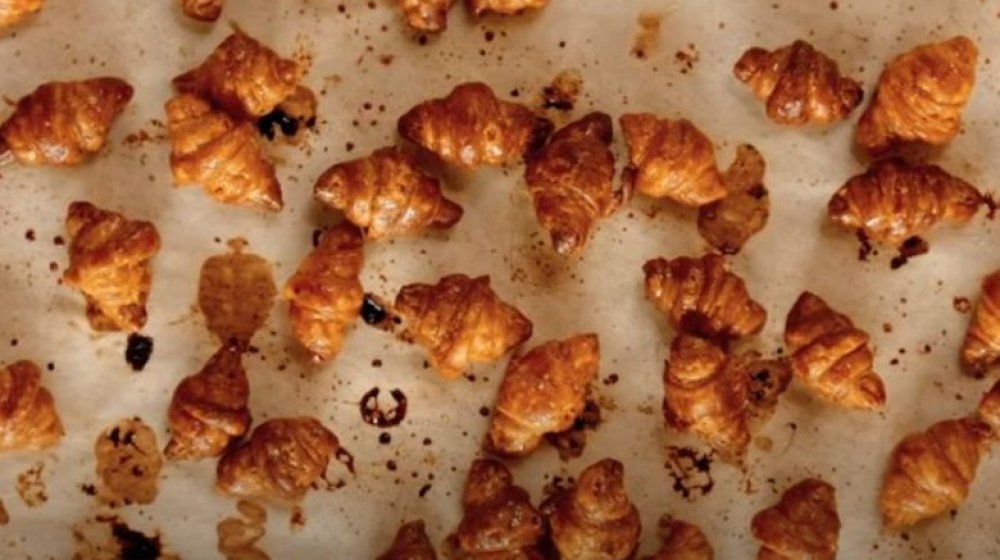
<point x="800" y="84"/>
<point x="543" y="392"/>
<point x="109" y="262"/>
<point x="61" y="123"/>
<point x="280" y="460"/>
<point x="672" y="159"/>
<point x="128" y="463"/>
<point x="28" y="418"/>
<point x="386" y="194"/>
<point x="682" y="541"/>
<point x="894" y="200"/>
<point x="499" y="520"/>
<point x="729" y="223"/>
<point x="804" y="524"/>
<point x="461" y="321"/>
<point x="235" y="294"/>
<point x="503" y="7"/>
<point x="411" y="543"/>
<point x="832" y="356"/>
<point x="472" y="127"/>
<point x="429" y="16"/>
<point x="325" y="294"/>
<point x="209" y="411"/>
<point x="210" y="149"/>
<point x="701" y="297"/>
<point x="204" y="10"/>
<point x="921" y="95"/>
<point x="13" y="12"/>
<point x="981" y="348"/>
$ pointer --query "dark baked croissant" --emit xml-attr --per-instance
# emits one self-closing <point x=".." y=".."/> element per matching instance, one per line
<point x="411" y="543"/>
<point x="325" y="294"/>
<point x="800" y="84"/>
<point x="671" y="158"/>
<point x="832" y="356"/>
<point x="701" y="297"/>
<point x="499" y="520"/>
<point x="504" y="7"/>
<point x="204" y="10"/>
<point x="543" y="392"/>
<point x="595" y="518"/>
<point x="109" y="262"/>
<point x="571" y="182"/>
<point x="472" y="127"/>
<point x="981" y="348"/>
<point x="921" y="95"/>
<point x="682" y="541"/>
<point x="894" y="200"/>
<point x="28" y="417"/>
<point x="281" y="459"/>
<point x="61" y="123"/>
<point x="210" y="149"/>
<point x="430" y="16"/>
<point x="461" y="321"/>
<point x="13" y="12"/>
<point x="729" y="223"/>
<point x="386" y="195"/>
<point x="804" y="524"/>
<point x="209" y="411"/>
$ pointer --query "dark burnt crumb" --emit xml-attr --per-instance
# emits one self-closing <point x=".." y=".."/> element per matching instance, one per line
<point x="135" y="545"/>
<point x="386" y="59"/>
<point x="58" y="241"/>
<point x="570" y="444"/>
<point x="317" y="235"/>
<point x="385" y="438"/>
<point x="484" y="411"/>
<point x="894" y="362"/>
<point x="391" y="465"/>
<point x="469" y="377"/>
<point x="288" y="125"/>
<point x="422" y="40"/>
<point x="138" y="351"/>
<point x="912" y="247"/>
<point x="13" y="342"/>
<point x="427" y="441"/>
<point x="905" y="536"/>
<point x="88" y="489"/>
<point x="341" y="8"/>
<point x="345" y="458"/>
<point x="374" y="312"/>
<point x="953" y="513"/>
<point x="50" y="366"/>
<point x="489" y="36"/>
<point x="53" y="266"/>
<point x="961" y="304"/>
<point x="515" y="92"/>
<point x="29" y="235"/>
<point x="373" y="415"/>
<point x="552" y="100"/>
<point x="834" y="5"/>
<point x="376" y="363"/>
<point x="865" y="250"/>
<point x="562" y="44"/>
<point x="887" y="327"/>
<point x="349" y="146"/>
<point x="611" y="379"/>
<point x="424" y="490"/>
<point x="991" y="206"/>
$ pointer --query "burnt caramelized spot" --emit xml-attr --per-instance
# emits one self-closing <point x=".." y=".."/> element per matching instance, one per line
<point x="373" y="415"/>
<point x="570" y="444"/>
<point x="135" y="545"/>
<point x="539" y="134"/>
<point x="912" y="247"/>
<point x="866" y="249"/>
<point x="372" y="311"/>
<point x="691" y="472"/>
<point x="288" y="125"/>
<point x="138" y="351"/>
<point x="345" y="458"/>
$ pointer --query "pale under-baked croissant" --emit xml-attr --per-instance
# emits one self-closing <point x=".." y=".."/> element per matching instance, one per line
<point x="571" y="181"/>
<point x="981" y="348"/>
<point x="430" y="16"/>
<point x="210" y="149"/>
<point x="472" y="127"/>
<point x="460" y="321"/>
<point x="804" y="524"/>
<point x="681" y="541"/>
<point x="894" y="200"/>
<point x="61" y="123"/>
<point x="800" y="84"/>
<point x="209" y="411"/>
<point x="325" y="294"/>
<point x="28" y="417"/>
<point x="729" y="223"/>
<point x="127" y="463"/>
<point x="499" y="520"/>
<point x="543" y="392"/>
<point x="594" y="518"/>
<point x="281" y="460"/>
<point x="504" y="7"/>
<point x="411" y="543"/>
<point x="109" y="262"/>
<point x="831" y="356"/>
<point x="921" y="95"/>
<point x="671" y="158"/>
<point x="235" y="294"/>
<point x="204" y="10"/>
<point x="701" y="297"/>
<point x="386" y="195"/>
<point x="13" y="12"/>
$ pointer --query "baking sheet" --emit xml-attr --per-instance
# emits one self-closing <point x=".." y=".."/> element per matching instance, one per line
<point x="370" y="70"/>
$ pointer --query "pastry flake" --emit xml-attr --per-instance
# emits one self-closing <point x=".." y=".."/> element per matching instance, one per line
<point x="203" y="10"/>
<point x="411" y="543"/>
<point x="981" y="348"/>
<point x="128" y="463"/>
<point x="13" y="12"/>
<point x="235" y="294"/>
<point x="429" y="16"/>
<point x="803" y="524"/>
<point x="499" y="520"/>
<point x="28" y="417"/>
<point x="727" y="224"/>
<point x="682" y="541"/>
<point x="480" y="8"/>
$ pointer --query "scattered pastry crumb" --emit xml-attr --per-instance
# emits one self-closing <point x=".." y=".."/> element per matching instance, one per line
<point x="238" y="536"/>
<point x="961" y="304"/>
<point x="31" y="487"/>
<point x="691" y="471"/>
<point x="648" y="36"/>
<point x="686" y="58"/>
<point x="563" y="92"/>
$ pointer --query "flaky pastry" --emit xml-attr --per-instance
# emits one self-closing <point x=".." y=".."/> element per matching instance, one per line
<point x="503" y="7"/>
<point x="430" y="16"/>
<point x="803" y="524"/>
<point x="13" y="12"/>
<point x="204" y="10"/>
<point x="411" y="543"/>
<point x="727" y="224"/>
<point x="681" y="541"/>
<point x="499" y="520"/>
<point x="28" y="417"/>
<point x="981" y="348"/>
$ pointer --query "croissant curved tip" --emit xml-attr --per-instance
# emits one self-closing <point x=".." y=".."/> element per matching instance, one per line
<point x="448" y="214"/>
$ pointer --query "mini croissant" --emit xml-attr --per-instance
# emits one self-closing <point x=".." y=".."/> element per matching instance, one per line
<point x="729" y="223"/>
<point x="325" y="294"/>
<point x="503" y="7"/>
<point x="981" y="348"/>
<point x="13" y="12"/>
<point x="209" y="411"/>
<point x="61" y="123"/>
<point x="543" y="392"/>
<point x="204" y="10"/>
<point x="387" y="195"/>
<point x="701" y="297"/>
<point x="472" y="127"/>
<point x="800" y="84"/>
<point x="461" y="321"/>
<point x="989" y="409"/>
<point x="109" y="262"/>
<point x="411" y="543"/>
<point x="682" y="541"/>
<point x="430" y="16"/>
<point x="281" y="459"/>
<point x="921" y="95"/>
<point x="28" y="418"/>
<point x="672" y="159"/>
<point x="571" y="182"/>
<point x="804" y="524"/>
<point x="595" y="518"/>
<point x="832" y="356"/>
<point x="499" y="520"/>
<point x="894" y="200"/>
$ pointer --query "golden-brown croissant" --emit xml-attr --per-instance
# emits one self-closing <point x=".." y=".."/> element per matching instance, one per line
<point x="707" y="393"/>
<point x="13" y="12"/>
<point x="411" y="543"/>
<point x="804" y="524"/>
<point x="981" y="348"/>
<point x="989" y="409"/>
<point x="543" y="392"/>
<point x="682" y="541"/>
<point x="209" y="411"/>
<point x="894" y="200"/>
<point x="472" y="127"/>
<point x="204" y="10"/>
<point x="921" y="95"/>
<point x="832" y="356"/>
<point x="503" y="7"/>
<point x="387" y="195"/>
<point x="701" y="297"/>
<point x="729" y="223"/>
<point x="800" y="84"/>
<point x="109" y="262"/>
<point x="28" y="417"/>
<point x="430" y="16"/>
<point x="235" y="294"/>
<point x="460" y="321"/>
<point x="61" y="123"/>
<point x="280" y="460"/>
<point x="671" y="158"/>
<point x="499" y="520"/>
<point x="210" y="149"/>
<point x="325" y="294"/>
<point x="571" y="182"/>
<point x="594" y="518"/>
